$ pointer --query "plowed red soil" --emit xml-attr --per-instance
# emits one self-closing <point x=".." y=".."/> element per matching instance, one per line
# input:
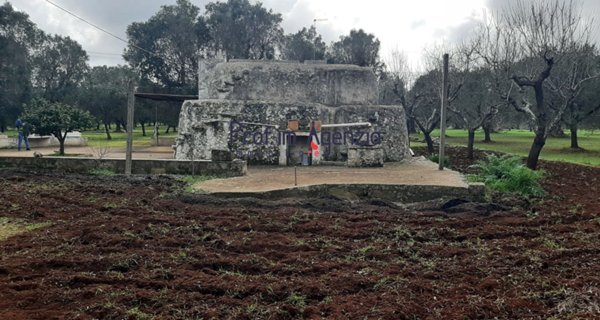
<point x="136" y="249"/>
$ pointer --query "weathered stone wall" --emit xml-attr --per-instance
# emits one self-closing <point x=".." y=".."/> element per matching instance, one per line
<point x="327" y="84"/>
<point x="204" y="125"/>
<point x="205" y="73"/>
<point x="389" y="121"/>
<point x="145" y="166"/>
<point x="260" y="96"/>
<point x="365" y="156"/>
<point x="35" y="141"/>
<point x="6" y="142"/>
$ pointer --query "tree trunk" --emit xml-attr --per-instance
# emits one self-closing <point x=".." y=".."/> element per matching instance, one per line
<point x="143" y="129"/>
<point x="574" y="142"/>
<point x="106" y="129"/>
<point x="412" y="128"/>
<point x="540" y="130"/>
<point x="557" y="132"/>
<point x="168" y="128"/>
<point x="536" y="148"/>
<point x="61" y="141"/>
<point x="118" y="126"/>
<point x="471" y="144"/>
<point x="428" y="140"/>
<point x="487" y="131"/>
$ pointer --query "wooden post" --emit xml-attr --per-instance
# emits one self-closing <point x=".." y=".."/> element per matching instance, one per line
<point x="156" y="123"/>
<point x="130" y="109"/>
<point x="443" y="114"/>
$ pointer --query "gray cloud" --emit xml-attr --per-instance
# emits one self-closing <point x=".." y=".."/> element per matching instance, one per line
<point x="116" y="15"/>
<point x="463" y="31"/>
<point x="299" y="15"/>
<point x="113" y="16"/>
<point x="590" y="11"/>
<point x="498" y="5"/>
<point x="417" y="24"/>
<point x="279" y="6"/>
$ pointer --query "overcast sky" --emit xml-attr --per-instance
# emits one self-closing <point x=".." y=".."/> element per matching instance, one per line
<point x="409" y="25"/>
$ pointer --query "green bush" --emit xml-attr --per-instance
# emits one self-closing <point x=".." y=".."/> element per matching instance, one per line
<point x="509" y="174"/>
<point x="102" y="172"/>
<point x="191" y="181"/>
<point x="436" y="158"/>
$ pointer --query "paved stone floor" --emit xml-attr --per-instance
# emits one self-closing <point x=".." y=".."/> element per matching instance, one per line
<point x="417" y="171"/>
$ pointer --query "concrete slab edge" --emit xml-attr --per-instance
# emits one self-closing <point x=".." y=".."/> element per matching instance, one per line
<point x="233" y="168"/>
<point x="390" y="192"/>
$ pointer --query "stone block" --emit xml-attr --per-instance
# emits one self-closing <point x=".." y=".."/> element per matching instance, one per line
<point x="365" y="156"/>
<point x="206" y="125"/>
<point x="220" y="155"/>
<point x="327" y="84"/>
<point x="263" y="95"/>
<point x="139" y="166"/>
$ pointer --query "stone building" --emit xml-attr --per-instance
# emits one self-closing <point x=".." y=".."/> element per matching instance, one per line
<point x="269" y="112"/>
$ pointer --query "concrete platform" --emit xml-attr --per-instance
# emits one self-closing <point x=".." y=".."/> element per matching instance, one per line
<point x="410" y="181"/>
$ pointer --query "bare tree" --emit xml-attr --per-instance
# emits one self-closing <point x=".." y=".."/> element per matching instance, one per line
<point x="397" y="65"/>
<point x="427" y="115"/>
<point x="477" y="104"/>
<point x="522" y="44"/>
<point x="428" y="87"/>
<point x="568" y="81"/>
<point x="400" y="78"/>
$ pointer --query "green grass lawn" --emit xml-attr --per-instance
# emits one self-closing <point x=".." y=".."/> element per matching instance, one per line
<point x="119" y="139"/>
<point x="97" y="138"/>
<point x="514" y="141"/>
<point x="519" y="141"/>
<point x="11" y="133"/>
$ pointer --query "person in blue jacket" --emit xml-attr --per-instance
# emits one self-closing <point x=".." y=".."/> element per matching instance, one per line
<point x="23" y="133"/>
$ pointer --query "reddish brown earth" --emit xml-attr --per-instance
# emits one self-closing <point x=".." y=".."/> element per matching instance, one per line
<point x="136" y="249"/>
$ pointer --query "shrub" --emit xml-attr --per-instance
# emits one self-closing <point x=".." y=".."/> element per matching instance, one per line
<point x="191" y="181"/>
<point x="436" y="158"/>
<point x="102" y="172"/>
<point x="509" y="174"/>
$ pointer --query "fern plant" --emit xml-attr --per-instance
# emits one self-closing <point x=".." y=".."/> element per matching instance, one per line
<point x="509" y="174"/>
<point x="436" y="158"/>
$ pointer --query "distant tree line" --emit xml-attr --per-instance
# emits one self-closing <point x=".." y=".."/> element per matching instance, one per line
<point x="531" y="66"/>
<point x="162" y="57"/>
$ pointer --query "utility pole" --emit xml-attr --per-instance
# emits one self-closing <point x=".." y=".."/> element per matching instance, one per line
<point x="130" y="109"/>
<point x="443" y="113"/>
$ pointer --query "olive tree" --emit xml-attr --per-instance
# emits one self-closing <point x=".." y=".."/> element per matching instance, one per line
<point x="523" y="45"/>
<point x="56" y="118"/>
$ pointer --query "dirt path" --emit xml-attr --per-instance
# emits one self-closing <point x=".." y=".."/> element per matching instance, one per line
<point x="131" y="249"/>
